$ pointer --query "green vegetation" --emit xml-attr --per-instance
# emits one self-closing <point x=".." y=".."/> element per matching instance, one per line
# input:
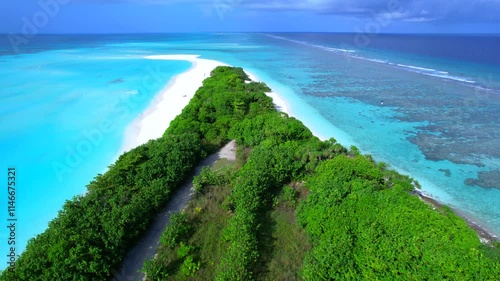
<point x="291" y="207"/>
<point x="295" y="208"/>
<point x="364" y="224"/>
<point x="290" y="243"/>
<point x="92" y="233"/>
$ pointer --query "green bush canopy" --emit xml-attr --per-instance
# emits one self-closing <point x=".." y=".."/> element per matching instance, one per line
<point x="360" y="216"/>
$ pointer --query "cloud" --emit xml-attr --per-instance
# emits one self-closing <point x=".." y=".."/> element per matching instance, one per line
<point x="466" y="11"/>
<point x="416" y="10"/>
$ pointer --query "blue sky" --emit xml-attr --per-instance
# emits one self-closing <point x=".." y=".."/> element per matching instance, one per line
<point x="138" y="16"/>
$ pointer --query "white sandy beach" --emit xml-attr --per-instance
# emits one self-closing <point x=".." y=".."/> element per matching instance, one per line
<point x="174" y="97"/>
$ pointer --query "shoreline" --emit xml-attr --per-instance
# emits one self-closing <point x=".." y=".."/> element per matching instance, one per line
<point x="169" y="102"/>
<point x="484" y="235"/>
<point x="172" y="99"/>
<point x="284" y="105"/>
<point x="280" y="103"/>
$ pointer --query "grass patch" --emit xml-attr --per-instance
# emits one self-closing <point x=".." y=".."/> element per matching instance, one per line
<point x="290" y="243"/>
<point x="242" y="153"/>
<point x="197" y="253"/>
<point x="282" y="243"/>
<point x="208" y="217"/>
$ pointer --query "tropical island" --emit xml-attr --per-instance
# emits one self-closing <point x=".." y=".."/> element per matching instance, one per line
<point x="289" y="207"/>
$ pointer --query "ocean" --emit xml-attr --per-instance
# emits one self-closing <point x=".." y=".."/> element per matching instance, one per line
<point x="428" y="105"/>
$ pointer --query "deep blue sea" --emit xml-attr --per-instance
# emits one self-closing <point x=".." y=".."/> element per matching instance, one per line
<point x="428" y="105"/>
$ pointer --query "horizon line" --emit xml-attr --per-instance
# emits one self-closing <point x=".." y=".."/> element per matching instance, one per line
<point x="262" y="32"/>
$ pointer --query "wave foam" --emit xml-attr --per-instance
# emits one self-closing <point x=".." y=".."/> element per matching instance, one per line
<point x="435" y="73"/>
<point x="330" y="49"/>
<point x="416" y="69"/>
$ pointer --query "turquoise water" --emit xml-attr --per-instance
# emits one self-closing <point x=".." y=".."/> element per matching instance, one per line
<point x="434" y="118"/>
<point x="63" y="116"/>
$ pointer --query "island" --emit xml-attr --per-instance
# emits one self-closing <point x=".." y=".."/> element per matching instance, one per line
<point x="288" y="207"/>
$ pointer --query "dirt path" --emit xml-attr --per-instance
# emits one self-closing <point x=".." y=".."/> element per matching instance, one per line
<point x="147" y="245"/>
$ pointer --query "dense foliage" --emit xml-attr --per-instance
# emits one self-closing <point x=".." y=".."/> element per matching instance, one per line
<point x="223" y="100"/>
<point x="291" y="196"/>
<point x="365" y="225"/>
<point x="362" y="219"/>
<point x="92" y="233"/>
<point x="228" y="107"/>
<point x="265" y="169"/>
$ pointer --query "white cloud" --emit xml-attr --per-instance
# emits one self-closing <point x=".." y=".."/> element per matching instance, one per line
<point x="415" y="10"/>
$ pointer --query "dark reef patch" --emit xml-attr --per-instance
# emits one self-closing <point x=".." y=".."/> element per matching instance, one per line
<point x="117" y="81"/>
<point x="486" y="179"/>
<point x="458" y="122"/>
<point x="446" y="172"/>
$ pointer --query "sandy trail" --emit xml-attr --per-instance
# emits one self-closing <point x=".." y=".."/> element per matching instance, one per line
<point x="151" y="125"/>
<point x="148" y="244"/>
